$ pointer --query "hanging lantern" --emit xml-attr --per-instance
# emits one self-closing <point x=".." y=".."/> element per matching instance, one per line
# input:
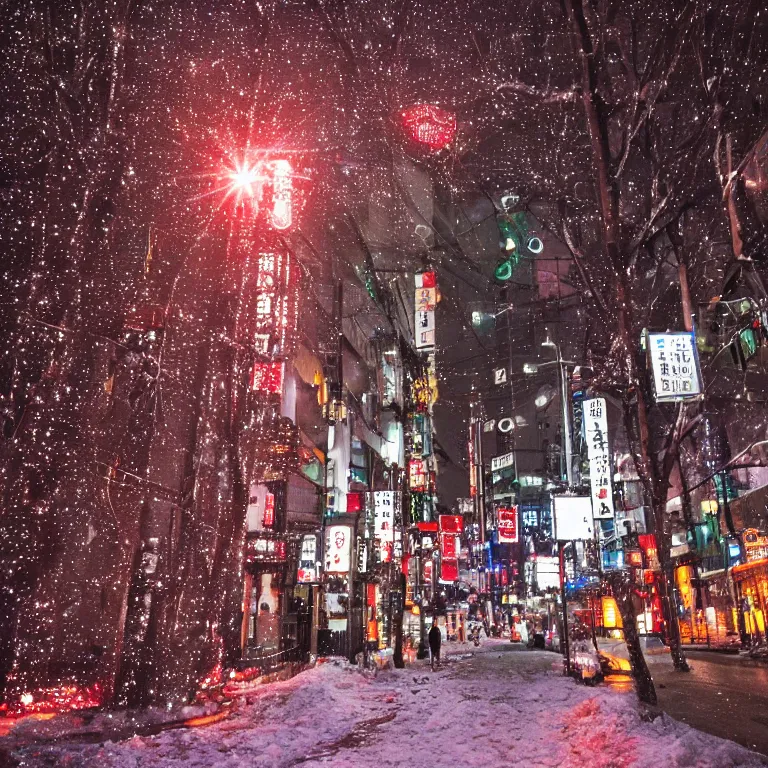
<point x="430" y="125"/>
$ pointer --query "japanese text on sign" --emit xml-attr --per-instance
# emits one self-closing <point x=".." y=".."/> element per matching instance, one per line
<point x="675" y="368"/>
<point x="424" y="306"/>
<point x="500" y="462"/>
<point x="384" y="515"/>
<point x="596" y="433"/>
<point x="307" y="570"/>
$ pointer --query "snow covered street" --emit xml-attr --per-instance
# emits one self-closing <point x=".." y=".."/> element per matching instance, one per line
<point x="498" y="706"/>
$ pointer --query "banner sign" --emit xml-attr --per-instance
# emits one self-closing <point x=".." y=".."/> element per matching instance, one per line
<point x="465" y="507"/>
<point x="338" y="548"/>
<point x="506" y="521"/>
<point x="500" y="462"/>
<point x="675" y="366"/>
<point x="596" y="433"/>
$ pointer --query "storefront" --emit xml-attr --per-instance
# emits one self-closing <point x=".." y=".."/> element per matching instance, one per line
<point x="691" y="616"/>
<point x="751" y="583"/>
<point x="720" y="612"/>
<point x="264" y="590"/>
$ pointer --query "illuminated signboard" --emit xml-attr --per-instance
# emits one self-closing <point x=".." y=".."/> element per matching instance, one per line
<point x="425" y="303"/>
<point x="506" y="521"/>
<point x="675" y="365"/>
<point x="269" y="510"/>
<point x="573" y="518"/>
<point x="417" y="475"/>
<point x="384" y="513"/>
<point x="262" y="549"/>
<point x="307" y="570"/>
<point x="276" y="305"/>
<point x="267" y="377"/>
<point x="338" y="548"/>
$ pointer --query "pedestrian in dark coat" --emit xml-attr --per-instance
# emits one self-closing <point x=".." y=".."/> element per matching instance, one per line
<point x="435" y="639"/>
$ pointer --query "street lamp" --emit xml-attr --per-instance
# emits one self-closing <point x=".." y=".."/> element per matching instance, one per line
<point x="563" y="381"/>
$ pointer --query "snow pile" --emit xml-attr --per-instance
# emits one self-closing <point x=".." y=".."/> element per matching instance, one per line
<point x="499" y="708"/>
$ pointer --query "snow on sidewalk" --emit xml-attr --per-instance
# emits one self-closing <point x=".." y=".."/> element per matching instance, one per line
<point x="494" y="709"/>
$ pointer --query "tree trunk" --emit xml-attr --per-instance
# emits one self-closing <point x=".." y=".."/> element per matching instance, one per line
<point x="397" y="625"/>
<point x="656" y="483"/>
<point x="622" y="591"/>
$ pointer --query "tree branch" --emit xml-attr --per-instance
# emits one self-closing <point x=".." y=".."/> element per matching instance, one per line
<point x="547" y="96"/>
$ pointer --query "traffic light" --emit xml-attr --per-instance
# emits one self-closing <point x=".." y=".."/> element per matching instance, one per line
<point x="515" y="242"/>
<point x="746" y="342"/>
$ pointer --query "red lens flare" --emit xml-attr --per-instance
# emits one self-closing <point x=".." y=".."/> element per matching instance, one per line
<point x="267" y="183"/>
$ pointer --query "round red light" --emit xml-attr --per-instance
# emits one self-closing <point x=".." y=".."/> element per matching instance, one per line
<point x="430" y="125"/>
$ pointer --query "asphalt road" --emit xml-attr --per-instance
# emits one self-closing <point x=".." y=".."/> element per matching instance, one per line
<point x="724" y="695"/>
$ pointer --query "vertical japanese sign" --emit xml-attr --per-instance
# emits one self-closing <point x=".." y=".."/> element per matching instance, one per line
<point x="424" y="306"/>
<point x="269" y="510"/>
<point x="450" y="527"/>
<point x="384" y="515"/>
<point x="596" y="433"/>
<point x="417" y="475"/>
<point x="384" y="512"/>
<point x="276" y="305"/>
<point x="282" y="194"/>
<point x="472" y="465"/>
<point x="675" y="365"/>
<point x="307" y="571"/>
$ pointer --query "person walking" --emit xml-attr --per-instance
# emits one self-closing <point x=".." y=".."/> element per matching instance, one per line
<point x="435" y="638"/>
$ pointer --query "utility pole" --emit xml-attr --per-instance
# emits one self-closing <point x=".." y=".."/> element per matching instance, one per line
<point x="564" y="640"/>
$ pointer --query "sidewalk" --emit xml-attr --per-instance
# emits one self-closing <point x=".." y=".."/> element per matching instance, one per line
<point x="501" y="707"/>
<point x="95" y="725"/>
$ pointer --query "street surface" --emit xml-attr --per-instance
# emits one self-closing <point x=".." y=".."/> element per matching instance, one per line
<point x="723" y="694"/>
<point x="497" y="705"/>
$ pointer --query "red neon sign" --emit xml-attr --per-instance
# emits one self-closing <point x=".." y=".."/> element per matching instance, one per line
<point x="451" y="523"/>
<point x="267" y="377"/>
<point x="507" y="524"/>
<point x="269" y="510"/>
